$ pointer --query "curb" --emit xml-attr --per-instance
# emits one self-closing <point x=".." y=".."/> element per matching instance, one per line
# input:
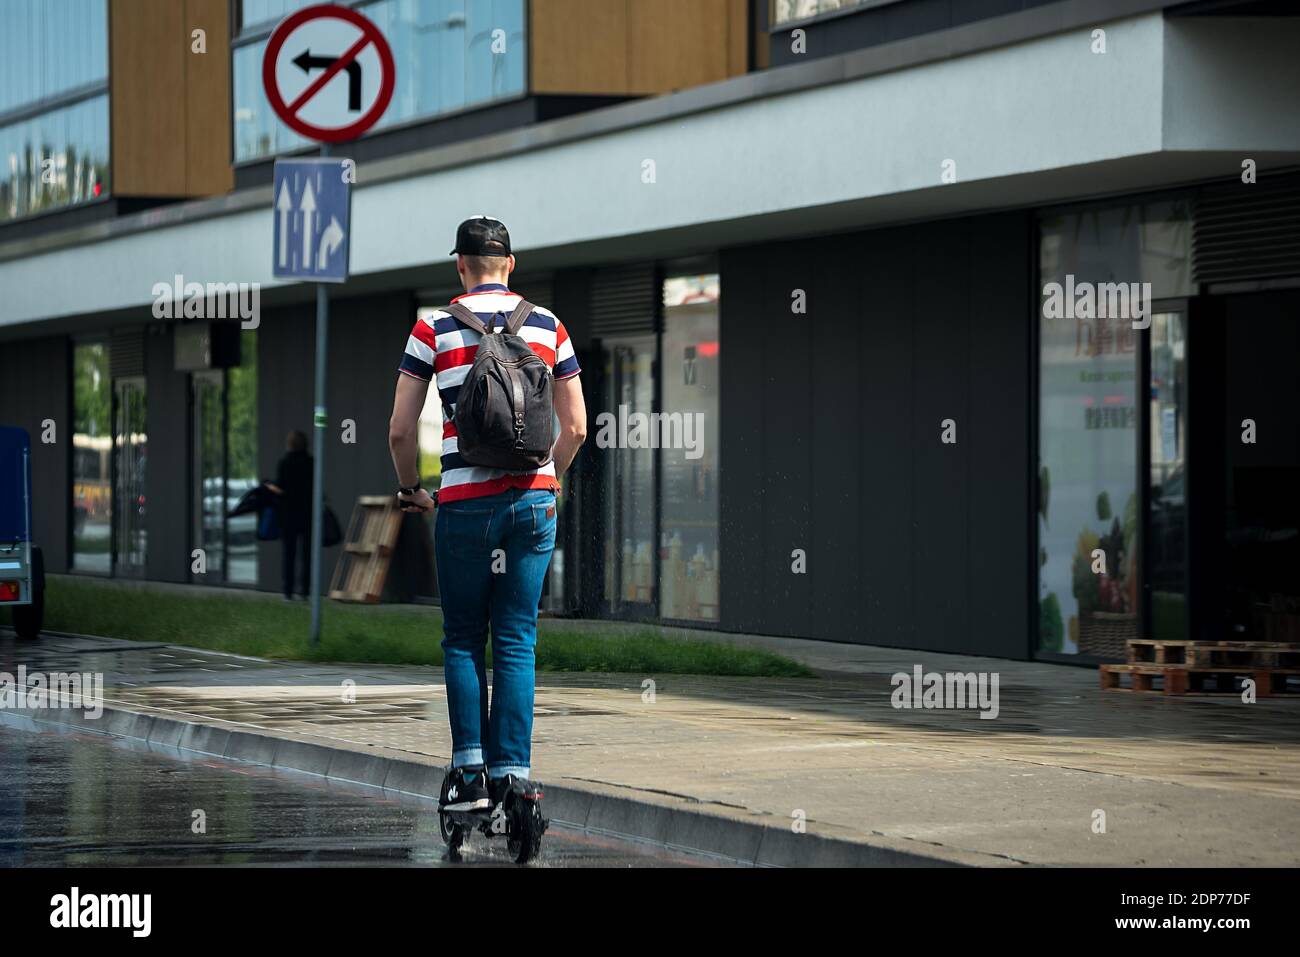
<point x="594" y="808"/>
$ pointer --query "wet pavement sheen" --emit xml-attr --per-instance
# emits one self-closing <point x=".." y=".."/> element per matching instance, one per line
<point x="87" y="800"/>
<point x="1184" y="781"/>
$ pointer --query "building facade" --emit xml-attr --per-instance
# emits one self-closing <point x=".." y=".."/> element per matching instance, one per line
<point x="971" y="326"/>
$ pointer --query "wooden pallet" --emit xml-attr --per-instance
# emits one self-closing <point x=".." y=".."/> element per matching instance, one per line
<point x="1182" y="679"/>
<point x="368" y="547"/>
<point x="1215" y="654"/>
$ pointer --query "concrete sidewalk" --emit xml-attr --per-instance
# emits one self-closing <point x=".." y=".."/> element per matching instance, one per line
<point x="807" y="771"/>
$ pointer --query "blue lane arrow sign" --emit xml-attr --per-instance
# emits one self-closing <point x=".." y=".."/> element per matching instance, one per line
<point x="312" y="221"/>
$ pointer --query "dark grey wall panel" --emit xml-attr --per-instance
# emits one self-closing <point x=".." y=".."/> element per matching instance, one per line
<point x="836" y="442"/>
<point x="571" y="289"/>
<point x="884" y="480"/>
<point x="286" y="343"/>
<point x="998" y="438"/>
<point x="367" y="336"/>
<point x="941" y="478"/>
<point x="741" y="525"/>
<point x="167" y="486"/>
<point x="34" y="386"/>
<point x="832" y="438"/>
<point x="581" y="523"/>
<point x="783" y="407"/>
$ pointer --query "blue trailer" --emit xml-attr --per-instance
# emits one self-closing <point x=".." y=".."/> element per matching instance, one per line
<point x="22" y="569"/>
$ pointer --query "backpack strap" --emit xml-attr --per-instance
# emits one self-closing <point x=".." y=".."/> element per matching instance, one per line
<point x="463" y="314"/>
<point x="519" y="317"/>
<point x="514" y="323"/>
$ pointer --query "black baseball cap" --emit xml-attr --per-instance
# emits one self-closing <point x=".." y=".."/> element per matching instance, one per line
<point x="482" y="236"/>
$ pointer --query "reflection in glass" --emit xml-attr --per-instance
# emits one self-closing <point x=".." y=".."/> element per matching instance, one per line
<point x="629" y="478"/>
<point x="257" y="131"/>
<point x="1167" y="539"/>
<point x="54" y="159"/>
<point x="209" y="430"/>
<point x="224" y="464"/>
<point x="784" y="11"/>
<point x="688" y="540"/>
<point x="59" y="157"/>
<point x="48" y="49"/>
<point x="265" y="13"/>
<point x="92" y="507"/>
<point x="130" y="452"/>
<point x="241" y="467"/>
<point x="1088" y="409"/>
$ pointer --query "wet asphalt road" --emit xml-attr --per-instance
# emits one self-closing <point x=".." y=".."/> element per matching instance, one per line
<point x="80" y="800"/>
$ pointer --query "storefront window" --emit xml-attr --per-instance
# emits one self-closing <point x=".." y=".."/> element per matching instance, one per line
<point x="223" y="429"/>
<point x="1100" y="271"/>
<point x="630" y="493"/>
<point x="1166" y="492"/>
<point x="92" y="448"/>
<point x="688" y="459"/>
<point x="130" y="465"/>
<point x="242" y="473"/>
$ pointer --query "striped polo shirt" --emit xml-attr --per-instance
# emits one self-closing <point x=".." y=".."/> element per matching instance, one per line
<point x="442" y="347"/>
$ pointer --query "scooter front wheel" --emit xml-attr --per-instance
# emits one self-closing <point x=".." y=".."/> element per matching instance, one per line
<point x="453" y="835"/>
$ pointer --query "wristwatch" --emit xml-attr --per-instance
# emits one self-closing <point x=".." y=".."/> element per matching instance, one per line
<point x="409" y="491"/>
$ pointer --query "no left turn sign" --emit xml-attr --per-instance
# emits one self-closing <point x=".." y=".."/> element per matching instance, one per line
<point x="328" y="73"/>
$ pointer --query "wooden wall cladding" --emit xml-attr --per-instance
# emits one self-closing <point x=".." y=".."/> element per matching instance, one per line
<point x="635" y="47"/>
<point x="171" y="125"/>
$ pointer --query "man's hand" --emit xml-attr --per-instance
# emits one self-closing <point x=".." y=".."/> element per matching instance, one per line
<point x="421" y="501"/>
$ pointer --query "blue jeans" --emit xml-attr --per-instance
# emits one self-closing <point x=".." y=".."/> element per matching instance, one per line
<point x="492" y="557"/>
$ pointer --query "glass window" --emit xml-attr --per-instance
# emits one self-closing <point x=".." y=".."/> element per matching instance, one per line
<point x="450" y="55"/>
<point x="50" y="47"/>
<point x="257" y="130"/>
<point x="630" y="493"/>
<point x="54" y="159"/>
<point x="787" y="11"/>
<point x="223" y="451"/>
<point x="208" y="428"/>
<point x="92" y="446"/>
<point x="1166" y="545"/>
<point x="131" y="458"/>
<point x="266" y="13"/>
<point x="1099" y="268"/>
<point x="688" y="455"/>
<point x="241" y="469"/>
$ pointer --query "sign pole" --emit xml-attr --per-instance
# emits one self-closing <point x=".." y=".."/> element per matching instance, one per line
<point x="320" y="420"/>
<point x="312" y="202"/>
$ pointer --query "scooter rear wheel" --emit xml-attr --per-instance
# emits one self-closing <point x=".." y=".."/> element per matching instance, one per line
<point x="526" y="828"/>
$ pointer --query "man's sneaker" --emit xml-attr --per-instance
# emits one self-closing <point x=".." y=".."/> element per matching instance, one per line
<point x="464" y="789"/>
<point x="524" y="787"/>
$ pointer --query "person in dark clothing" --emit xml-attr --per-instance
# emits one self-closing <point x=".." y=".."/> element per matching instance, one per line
<point x="293" y="483"/>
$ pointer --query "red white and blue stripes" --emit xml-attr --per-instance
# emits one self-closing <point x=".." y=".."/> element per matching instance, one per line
<point x="442" y="349"/>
